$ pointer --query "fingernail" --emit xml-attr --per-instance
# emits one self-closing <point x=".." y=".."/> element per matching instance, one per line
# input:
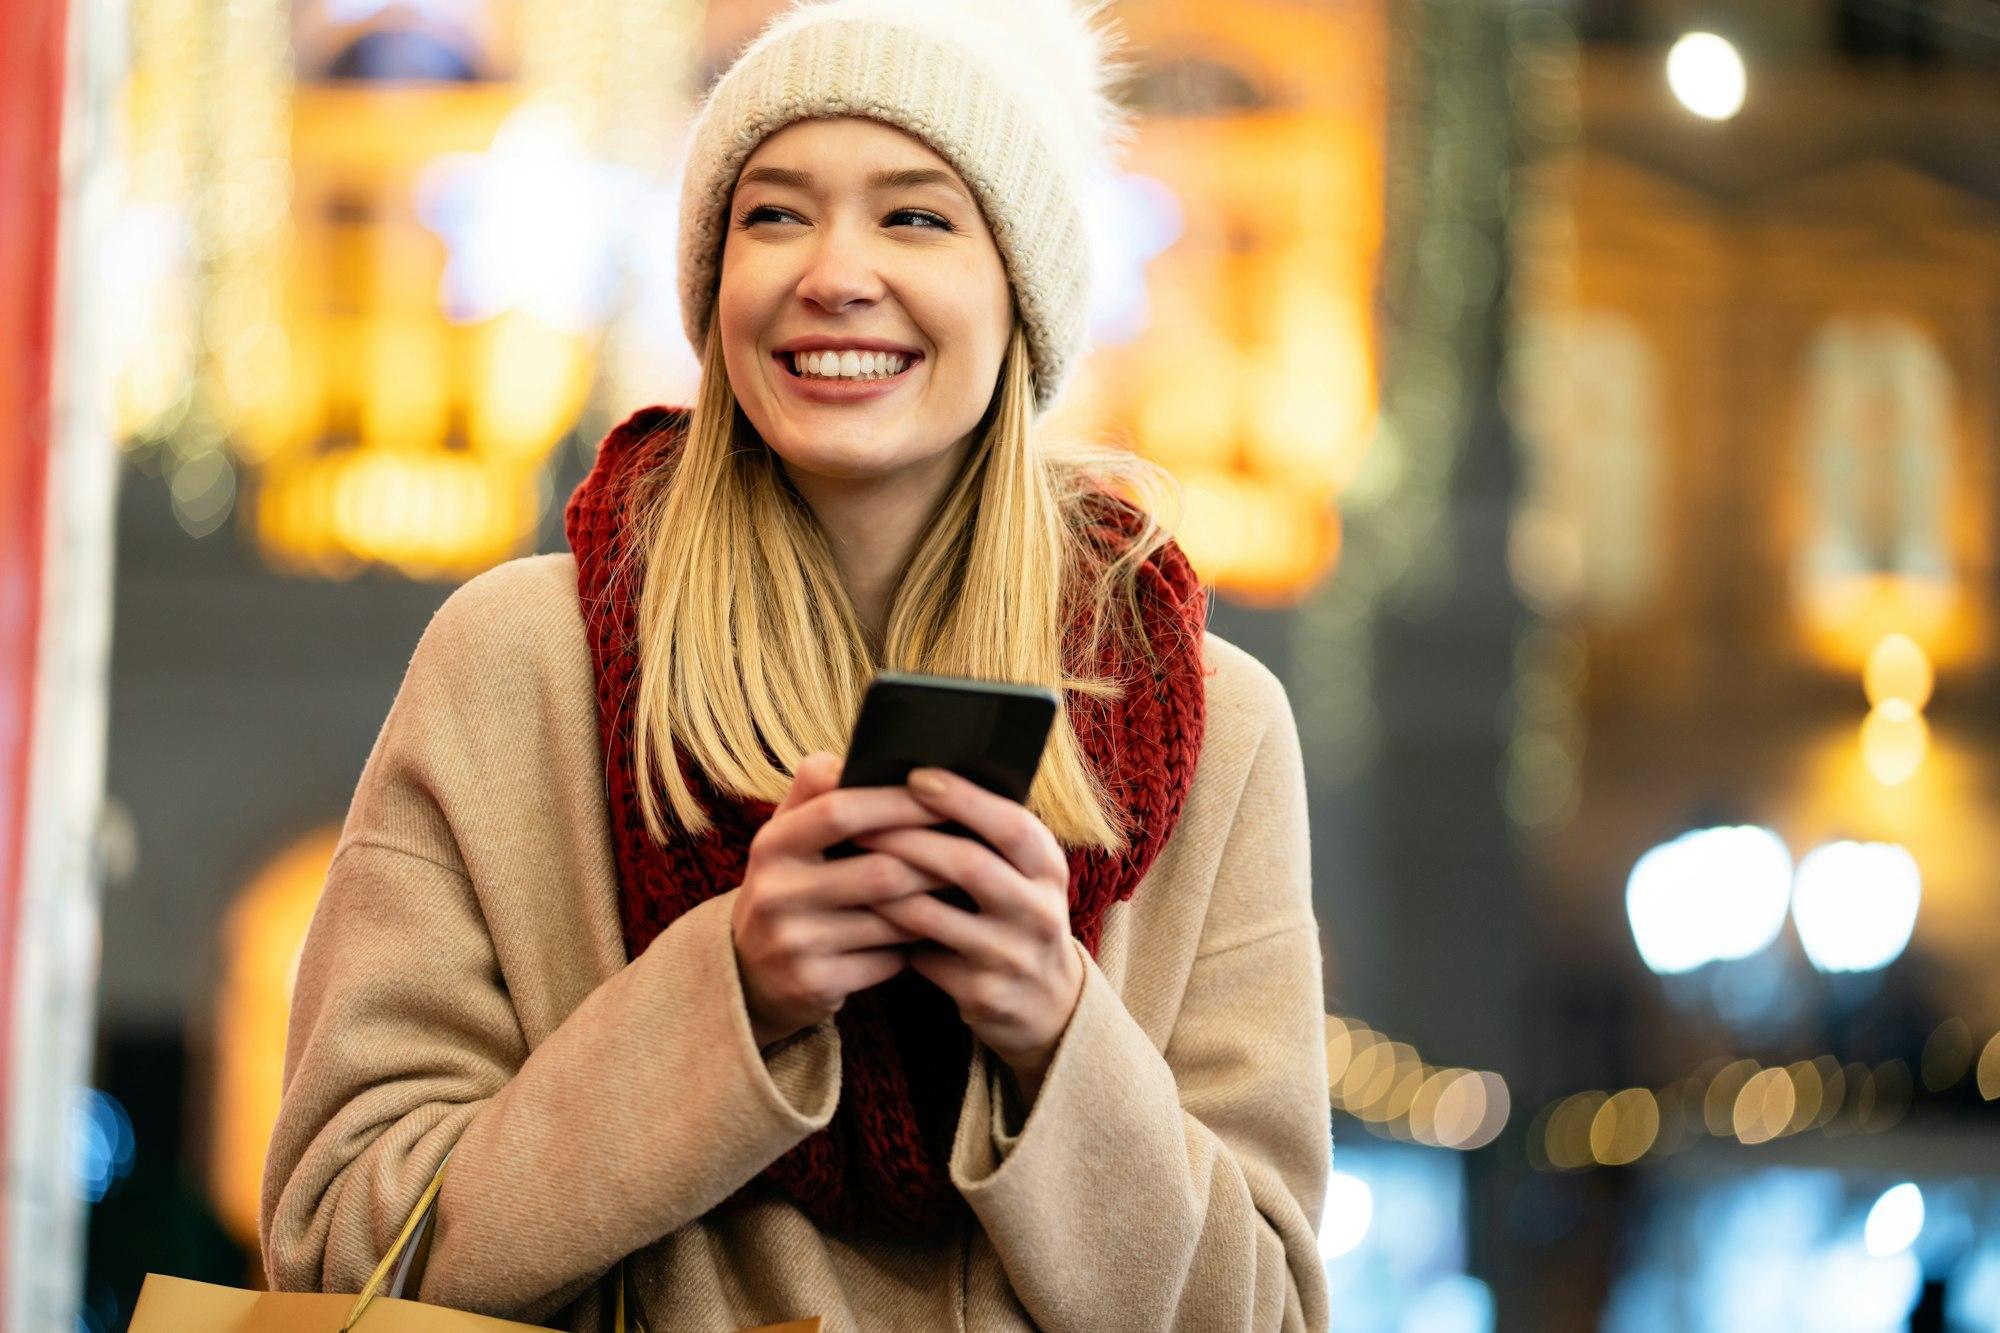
<point x="927" y="782"/>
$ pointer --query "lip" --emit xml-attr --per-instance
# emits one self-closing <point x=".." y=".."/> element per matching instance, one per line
<point x="826" y="342"/>
<point x="841" y="391"/>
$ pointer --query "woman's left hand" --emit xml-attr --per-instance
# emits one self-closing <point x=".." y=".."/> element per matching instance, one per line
<point x="1011" y="966"/>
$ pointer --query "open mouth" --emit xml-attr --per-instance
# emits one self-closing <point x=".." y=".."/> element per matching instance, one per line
<point x="846" y="367"/>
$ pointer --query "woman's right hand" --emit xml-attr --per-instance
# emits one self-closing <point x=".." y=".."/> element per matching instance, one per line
<point x="805" y="933"/>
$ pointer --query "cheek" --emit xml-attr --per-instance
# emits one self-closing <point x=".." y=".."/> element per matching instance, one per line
<point x="980" y="321"/>
<point x="738" y="303"/>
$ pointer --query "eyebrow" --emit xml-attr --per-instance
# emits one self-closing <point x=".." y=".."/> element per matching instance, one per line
<point x="904" y="179"/>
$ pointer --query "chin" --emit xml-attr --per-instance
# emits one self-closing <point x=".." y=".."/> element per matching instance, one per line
<point x="842" y="460"/>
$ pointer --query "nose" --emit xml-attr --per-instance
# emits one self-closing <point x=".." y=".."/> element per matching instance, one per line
<point x="840" y="272"/>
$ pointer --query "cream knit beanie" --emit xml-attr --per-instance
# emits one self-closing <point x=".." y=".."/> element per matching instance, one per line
<point x="1013" y="93"/>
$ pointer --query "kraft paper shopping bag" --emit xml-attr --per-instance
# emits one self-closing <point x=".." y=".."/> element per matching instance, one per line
<point x="179" y="1305"/>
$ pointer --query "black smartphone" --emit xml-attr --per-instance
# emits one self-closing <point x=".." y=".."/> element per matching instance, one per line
<point x="988" y="732"/>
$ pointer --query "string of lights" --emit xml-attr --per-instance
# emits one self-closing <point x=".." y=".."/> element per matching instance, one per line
<point x="1753" y="1103"/>
<point x="1440" y="269"/>
<point x="1394" y="1093"/>
<point x="1540" y="781"/>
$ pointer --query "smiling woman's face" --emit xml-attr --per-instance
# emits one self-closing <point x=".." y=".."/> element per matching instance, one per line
<point x="853" y="247"/>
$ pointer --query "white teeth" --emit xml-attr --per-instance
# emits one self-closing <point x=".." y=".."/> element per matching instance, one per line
<point x="850" y="365"/>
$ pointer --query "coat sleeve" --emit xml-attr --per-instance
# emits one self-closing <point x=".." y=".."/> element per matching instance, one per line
<point x="1180" y="1189"/>
<point x="644" y="1107"/>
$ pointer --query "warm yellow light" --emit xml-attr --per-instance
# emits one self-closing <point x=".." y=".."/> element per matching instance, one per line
<point x="408" y="404"/>
<point x="1808" y="1091"/>
<point x="260" y="940"/>
<point x="1894" y="740"/>
<point x="1186" y="415"/>
<point x="531" y="381"/>
<point x="1764" y="1107"/>
<point x="1491" y="1101"/>
<point x="1707" y="76"/>
<point x="1340" y="1045"/>
<point x="1395" y="1108"/>
<point x="1718" y="1106"/>
<point x="1847" y="618"/>
<point x="1989" y="1069"/>
<point x="1309" y="391"/>
<point x="1423" y="1106"/>
<point x="1625" y="1127"/>
<point x="1947" y="1055"/>
<point x="1393" y="1063"/>
<point x="1833" y="1091"/>
<point x="1368" y="1060"/>
<point x="1264" y="538"/>
<point x="1465" y="1108"/>
<point x="1899" y="669"/>
<point x="1568" y="1142"/>
<point x="1885" y="1096"/>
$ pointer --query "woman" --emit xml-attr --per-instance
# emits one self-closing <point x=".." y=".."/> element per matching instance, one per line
<point x="580" y="933"/>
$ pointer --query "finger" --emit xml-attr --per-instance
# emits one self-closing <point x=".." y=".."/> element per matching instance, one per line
<point x="858" y="930"/>
<point x="851" y="972"/>
<point x="966" y="862"/>
<point x="969" y="935"/>
<point x="845" y="812"/>
<point x="861" y="881"/>
<point x="1007" y="826"/>
<point x="944" y="969"/>
<point x="816" y="773"/>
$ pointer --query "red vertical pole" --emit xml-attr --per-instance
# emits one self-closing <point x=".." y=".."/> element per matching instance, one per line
<point x="31" y="99"/>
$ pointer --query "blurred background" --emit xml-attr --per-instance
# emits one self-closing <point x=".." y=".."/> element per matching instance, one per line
<point x="1587" y="408"/>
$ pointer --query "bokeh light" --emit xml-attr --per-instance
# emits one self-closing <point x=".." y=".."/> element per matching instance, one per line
<point x="1894" y="741"/>
<point x="102" y="1144"/>
<point x="1625" y="1127"/>
<point x="1884" y="1098"/>
<point x="1764" y="1107"/>
<point x="1989" y="1069"/>
<point x="1900" y="670"/>
<point x="1947" y="1055"/>
<point x="1895" y="1221"/>
<point x="1711" y="894"/>
<point x="1707" y="75"/>
<point x="1718" y="1105"/>
<point x="1567" y="1141"/>
<point x="1855" y="904"/>
<point x="1350" y="1207"/>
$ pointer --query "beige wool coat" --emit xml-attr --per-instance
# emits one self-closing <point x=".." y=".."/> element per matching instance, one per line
<point x="464" y="988"/>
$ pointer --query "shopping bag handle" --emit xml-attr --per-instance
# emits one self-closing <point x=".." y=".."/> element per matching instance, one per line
<point x="419" y="1215"/>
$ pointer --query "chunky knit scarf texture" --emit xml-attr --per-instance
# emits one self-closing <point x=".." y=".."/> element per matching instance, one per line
<point x="880" y="1166"/>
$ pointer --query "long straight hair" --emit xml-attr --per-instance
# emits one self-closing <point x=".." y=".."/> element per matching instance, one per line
<point x="750" y="653"/>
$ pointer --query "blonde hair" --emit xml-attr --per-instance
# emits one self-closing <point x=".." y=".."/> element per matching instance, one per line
<point x="751" y="656"/>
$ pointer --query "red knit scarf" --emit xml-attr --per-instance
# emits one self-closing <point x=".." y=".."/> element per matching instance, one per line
<point x="880" y="1167"/>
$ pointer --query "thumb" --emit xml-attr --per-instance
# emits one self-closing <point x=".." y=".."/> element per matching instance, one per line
<point x="818" y="772"/>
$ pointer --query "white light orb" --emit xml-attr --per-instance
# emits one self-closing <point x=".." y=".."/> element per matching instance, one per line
<point x="1844" y="1288"/>
<point x="1350" y="1207"/>
<point x="1895" y="1221"/>
<point x="1707" y="75"/>
<point x="1709" y="895"/>
<point x="1855" y="904"/>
